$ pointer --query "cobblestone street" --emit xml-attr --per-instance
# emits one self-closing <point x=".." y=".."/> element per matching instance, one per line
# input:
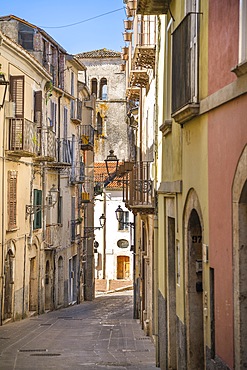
<point x="93" y="335"/>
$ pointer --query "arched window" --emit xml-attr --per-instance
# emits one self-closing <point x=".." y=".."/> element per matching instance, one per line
<point x="94" y="86"/>
<point x="103" y="89"/>
<point x="99" y="124"/>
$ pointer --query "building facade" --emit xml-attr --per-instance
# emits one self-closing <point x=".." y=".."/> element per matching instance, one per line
<point x="47" y="114"/>
<point x="107" y="83"/>
<point x="197" y="87"/>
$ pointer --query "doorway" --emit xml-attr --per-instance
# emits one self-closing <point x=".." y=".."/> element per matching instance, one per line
<point x="123" y="267"/>
<point x="195" y="342"/>
<point x="9" y="284"/>
<point x="33" y="285"/>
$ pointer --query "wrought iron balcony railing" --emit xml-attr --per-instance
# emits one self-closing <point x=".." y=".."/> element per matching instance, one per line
<point x="138" y="188"/>
<point x="77" y="174"/>
<point x="46" y="145"/>
<point x="63" y="153"/>
<point x="75" y="230"/>
<point x="87" y="137"/>
<point x="23" y="137"/>
<point x="76" y="111"/>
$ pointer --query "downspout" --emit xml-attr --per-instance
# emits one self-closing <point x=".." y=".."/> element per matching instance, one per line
<point x="156" y="231"/>
<point x="3" y="221"/>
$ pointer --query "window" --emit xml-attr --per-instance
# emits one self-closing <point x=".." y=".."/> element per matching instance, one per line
<point x="123" y="224"/>
<point x="65" y="123"/>
<point x="185" y="63"/>
<point x="72" y="87"/>
<point x="103" y="89"/>
<point x="12" y="200"/>
<point x="99" y="124"/>
<point x="243" y="31"/>
<point x="53" y="119"/>
<point x="25" y="36"/>
<point x="94" y="86"/>
<point x="38" y="107"/>
<point x="17" y="94"/>
<point x="37" y="201"/>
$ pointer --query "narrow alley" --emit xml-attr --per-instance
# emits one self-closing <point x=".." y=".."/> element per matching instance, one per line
<point x="100" y="334"/>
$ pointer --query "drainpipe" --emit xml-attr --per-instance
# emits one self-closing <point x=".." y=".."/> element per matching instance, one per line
<point x="156" y="231"/>
<point x="104" y="237"/>
<point x="3" y="221"/>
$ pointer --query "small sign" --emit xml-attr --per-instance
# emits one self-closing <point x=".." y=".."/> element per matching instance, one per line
<point x="122" y="243"/>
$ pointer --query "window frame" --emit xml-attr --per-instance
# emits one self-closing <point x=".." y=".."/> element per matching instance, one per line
<point x="37" y="201"/>
<point x="242" y="53"/>
<point x="123" y="225"/>
<point x="12" y="200"/>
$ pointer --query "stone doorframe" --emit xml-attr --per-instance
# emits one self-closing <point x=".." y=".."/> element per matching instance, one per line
<point x="239" y="199"/>
<point x="191" y="203"/>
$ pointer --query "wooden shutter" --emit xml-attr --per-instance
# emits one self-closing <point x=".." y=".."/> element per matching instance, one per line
<point x="12" y="199"/>
<point x="37" y="222"/>
<point x="17" y="94"/>
<point x="38" y="107"/>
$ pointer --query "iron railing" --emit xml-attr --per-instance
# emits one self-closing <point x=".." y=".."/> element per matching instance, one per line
<point x="23" y="136"/>
<point x="87" y="137"/>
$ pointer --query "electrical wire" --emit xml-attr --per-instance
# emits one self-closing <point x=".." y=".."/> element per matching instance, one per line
<point x="85" y="20"/>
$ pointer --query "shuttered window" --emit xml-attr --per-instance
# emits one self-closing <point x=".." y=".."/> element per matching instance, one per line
<point x="38" y="107"/>
<point x="12" y="200"/>
<point x="53" y="119"/>
<point x="185" y="62"/>
<point x="17" y="94"/>
<point x="37" y="201"/>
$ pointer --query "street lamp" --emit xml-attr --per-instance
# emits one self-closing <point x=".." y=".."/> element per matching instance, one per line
<point x="119" y="216"/>
<point x="111" y="163"/>
<point x="90" y="229"/>
<point x="52" y="200"/>
<point x="3" y="89"/>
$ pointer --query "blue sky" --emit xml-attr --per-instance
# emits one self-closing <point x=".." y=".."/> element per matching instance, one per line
<point x="98" y="33"/>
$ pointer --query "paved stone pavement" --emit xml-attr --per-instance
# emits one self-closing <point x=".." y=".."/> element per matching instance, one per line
<point x="90" y="336"/>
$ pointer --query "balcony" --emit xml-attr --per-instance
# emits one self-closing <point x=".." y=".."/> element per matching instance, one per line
<point x="87" y="193"/>
<point x="46" y="145"/>
<point x="23" y="137"/>
<point x="139" y="78"/>
<point x="77" y="175"/>
<point x="133" y="93"/>
<point x="76" y="111"/>
<point x="152" y="7"/>
<point x="64" y="154"/>
<point x="138" y="189"/>
<point x="144" y="53"/>
<point x="75" y="230"/>
<point x="53" y="235"/>
<point x="87" y="137"/>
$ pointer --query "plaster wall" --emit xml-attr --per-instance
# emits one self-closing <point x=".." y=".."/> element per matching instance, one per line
<point x="225" y="148"/>
<point x="222" y="43"/>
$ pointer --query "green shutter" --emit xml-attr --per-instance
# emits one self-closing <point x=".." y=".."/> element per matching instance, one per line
<point x="37" y="222"/>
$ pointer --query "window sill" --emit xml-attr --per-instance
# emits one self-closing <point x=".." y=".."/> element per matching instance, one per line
<point x="166" y="127"/>
<point x="186" y="113"/>
<point x="240" y="69"/>
<point x="12" y="229"/>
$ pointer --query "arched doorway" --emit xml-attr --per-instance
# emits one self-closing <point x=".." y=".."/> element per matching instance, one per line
<point x="48" y="287"/>
<point x="194" y="283"/>
<point x="60" y="282"/>
<point x="123" y="267"/>
<point x="9" y="284"/>
<point x="33" y="285"/>
<point x="33" y="279"/>
<point x="240" y="262"/>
